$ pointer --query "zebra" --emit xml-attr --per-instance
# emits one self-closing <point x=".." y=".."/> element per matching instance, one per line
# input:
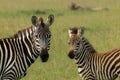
<point x="18" y="52"/>
<point x="91" y="64"/>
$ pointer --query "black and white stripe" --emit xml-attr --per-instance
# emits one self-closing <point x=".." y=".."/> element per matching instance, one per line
<point x="92" y="65"/>
<point x="20" y="51"/>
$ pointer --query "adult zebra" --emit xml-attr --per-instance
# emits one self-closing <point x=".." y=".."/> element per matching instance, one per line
<point x="17" y="53"/>
<point x="92" y="65"/>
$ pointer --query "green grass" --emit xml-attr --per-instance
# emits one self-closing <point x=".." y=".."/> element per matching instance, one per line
<point x="103" y="31"/>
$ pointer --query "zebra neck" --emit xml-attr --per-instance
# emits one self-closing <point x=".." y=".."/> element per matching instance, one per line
<point x="28" y="53"/>
<point x="84" y="52"/>
<point x="85" y="45"/>
<point x="25" y="37"/>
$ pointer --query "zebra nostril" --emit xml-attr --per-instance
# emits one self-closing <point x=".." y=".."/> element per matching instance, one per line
<point x="71" y="54"/>
<point x="44" y="55"/>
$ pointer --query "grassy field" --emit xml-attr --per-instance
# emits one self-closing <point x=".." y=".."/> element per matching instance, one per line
<point x="103" y="31"/>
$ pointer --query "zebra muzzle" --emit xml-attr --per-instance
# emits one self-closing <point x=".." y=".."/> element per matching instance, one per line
<point x="71" y="54"/>
<point x="44" y="55"/>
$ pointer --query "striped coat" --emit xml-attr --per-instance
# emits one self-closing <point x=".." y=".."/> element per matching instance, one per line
<point x="20" y="51"/>
<point x="91" y="64"/>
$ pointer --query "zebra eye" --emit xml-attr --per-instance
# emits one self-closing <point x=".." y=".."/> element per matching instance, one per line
<point x="36" y="36"/>
<point x="78" y="43"/>
<point x="48" y="36"/>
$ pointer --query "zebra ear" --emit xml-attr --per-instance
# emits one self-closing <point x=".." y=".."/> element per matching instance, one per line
<point x="50" y="20"/>
<point x="81" y="31"/>
<point x="34" y="20"/>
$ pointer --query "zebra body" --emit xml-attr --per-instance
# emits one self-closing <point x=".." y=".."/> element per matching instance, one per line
<point x="20" y="51"/>
<point x="91" y="64"/>
<point x="16" y="56"/>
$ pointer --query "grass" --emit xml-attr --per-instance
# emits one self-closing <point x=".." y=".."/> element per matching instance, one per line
<point x="103" y="31"/>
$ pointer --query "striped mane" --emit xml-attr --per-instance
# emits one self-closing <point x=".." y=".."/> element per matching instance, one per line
<point x="24" y="32"/>
<point x="89" y="47"/>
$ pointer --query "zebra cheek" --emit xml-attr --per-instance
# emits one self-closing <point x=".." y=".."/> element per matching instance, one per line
<point x="71" y="54"/>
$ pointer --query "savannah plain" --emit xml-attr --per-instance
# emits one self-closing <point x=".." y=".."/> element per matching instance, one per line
<point x="102" y="30"/>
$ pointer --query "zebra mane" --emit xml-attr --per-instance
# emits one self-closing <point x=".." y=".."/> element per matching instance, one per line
<point x="87" y="45"/>
<point x="24" y="32"/>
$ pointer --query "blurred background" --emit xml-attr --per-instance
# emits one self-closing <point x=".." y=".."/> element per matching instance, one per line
<point x="101" y="18"/>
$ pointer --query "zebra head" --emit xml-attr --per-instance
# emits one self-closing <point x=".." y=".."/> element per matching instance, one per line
<point x="75" y="35"/>
<point x="42" y="36"/>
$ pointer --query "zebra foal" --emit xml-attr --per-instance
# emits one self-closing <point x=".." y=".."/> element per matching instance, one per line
<point x="17" y="53"/>
<point x="91" y="64"/>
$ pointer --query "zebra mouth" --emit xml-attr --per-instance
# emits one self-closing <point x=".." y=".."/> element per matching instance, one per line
<point x="71" y="54"/>
<point x="44" y="55"/>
